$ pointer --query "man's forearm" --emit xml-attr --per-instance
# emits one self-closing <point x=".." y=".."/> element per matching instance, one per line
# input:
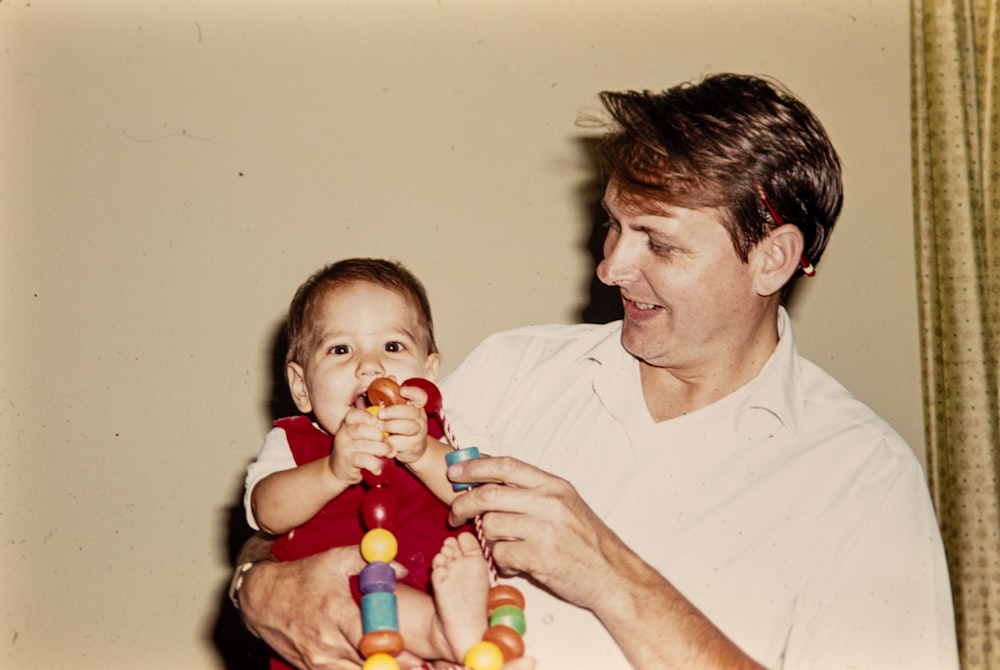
<point x="658" y="628"/>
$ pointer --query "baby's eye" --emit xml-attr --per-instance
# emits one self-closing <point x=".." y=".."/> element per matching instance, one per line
<point x="340" y="350"/>
<point x="394" y="347"/>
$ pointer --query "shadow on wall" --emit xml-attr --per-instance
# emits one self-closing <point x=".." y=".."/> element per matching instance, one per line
<point x="237" y="648"/>
<point x="603" y="302"/>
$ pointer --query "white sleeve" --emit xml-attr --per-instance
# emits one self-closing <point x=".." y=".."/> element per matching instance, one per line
<point x="275" y="455"/>
<point x="881" y="597"/>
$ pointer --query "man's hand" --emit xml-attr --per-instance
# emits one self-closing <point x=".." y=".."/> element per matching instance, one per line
<point x="539" y="525"/>
<point x="304" y="610"/>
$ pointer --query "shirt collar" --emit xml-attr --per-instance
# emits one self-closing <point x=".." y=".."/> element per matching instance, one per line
<point x="777" y="388"/>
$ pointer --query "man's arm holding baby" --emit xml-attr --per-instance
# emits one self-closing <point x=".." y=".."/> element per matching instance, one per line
<point x="302" y="609"/>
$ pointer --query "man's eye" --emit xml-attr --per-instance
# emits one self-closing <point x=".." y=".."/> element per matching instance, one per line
<point x="611" y="224"/>
<point x="660" y="250"/>
<point x="394" y="347"/>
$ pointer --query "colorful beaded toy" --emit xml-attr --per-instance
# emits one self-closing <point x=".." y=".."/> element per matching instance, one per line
<point x="381" y="641"/>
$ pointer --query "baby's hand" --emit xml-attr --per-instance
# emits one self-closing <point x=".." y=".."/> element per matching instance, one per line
<point x="406" y="425"/>
<point x="357" y="446"/>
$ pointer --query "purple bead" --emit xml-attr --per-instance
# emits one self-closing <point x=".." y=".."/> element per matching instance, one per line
<point x="377" y="577"/>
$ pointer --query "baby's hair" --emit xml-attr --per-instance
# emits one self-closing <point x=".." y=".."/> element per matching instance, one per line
<point x="302" y="313"/>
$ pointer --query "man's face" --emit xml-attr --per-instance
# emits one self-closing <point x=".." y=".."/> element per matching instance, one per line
<point x="689" y="300"/>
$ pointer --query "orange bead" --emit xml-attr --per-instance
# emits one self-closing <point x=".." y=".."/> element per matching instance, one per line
<point x="508" y="640"/>
<point x="503" y="594"/>
<point x="381" y="642"/>
<point x="384" y="391"/>
<point x="484" y="656"/>
<point x="380" y="662"/>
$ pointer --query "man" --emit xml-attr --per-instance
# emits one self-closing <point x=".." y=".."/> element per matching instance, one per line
<point x="681" y="488"/>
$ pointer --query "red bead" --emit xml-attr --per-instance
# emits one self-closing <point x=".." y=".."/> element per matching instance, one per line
<point x="381" y="642"/>
<point x="379" y="508"/>
<point x="383" y="477"/>
<point x="503" y="594"/>
<point x="509" y="641"/>
<point x="434" y="401"/>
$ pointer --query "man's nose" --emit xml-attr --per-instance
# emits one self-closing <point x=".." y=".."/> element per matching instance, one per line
<point x="618" y="264"/>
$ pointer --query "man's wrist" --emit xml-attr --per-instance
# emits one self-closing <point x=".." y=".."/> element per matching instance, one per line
<point x="236" y="583"/>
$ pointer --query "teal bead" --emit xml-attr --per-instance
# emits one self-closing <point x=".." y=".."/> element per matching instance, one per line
<point x="379" y="612"/>
<point x="457" y="456"/>
<point x="509" y="615"/>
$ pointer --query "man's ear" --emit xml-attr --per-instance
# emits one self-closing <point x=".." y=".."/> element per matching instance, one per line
<point x="297" y="385"/>
<point x="776" y="258"/>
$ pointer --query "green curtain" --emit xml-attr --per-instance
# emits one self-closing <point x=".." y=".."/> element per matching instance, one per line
<point x="956" y="168"/>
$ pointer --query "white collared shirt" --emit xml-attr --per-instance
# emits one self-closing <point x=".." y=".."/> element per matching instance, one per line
<point x="789" y="513"/>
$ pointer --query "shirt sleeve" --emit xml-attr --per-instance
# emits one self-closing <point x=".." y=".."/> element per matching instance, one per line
<point x="880" y="596"/>
<point x="275" y="456"/>
<point x="470" y="405"/>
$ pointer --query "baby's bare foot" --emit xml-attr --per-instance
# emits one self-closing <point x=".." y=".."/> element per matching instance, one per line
<point x="461" y="584"/>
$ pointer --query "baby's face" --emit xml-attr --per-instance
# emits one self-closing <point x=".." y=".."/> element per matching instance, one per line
<point x="366" y="331"/>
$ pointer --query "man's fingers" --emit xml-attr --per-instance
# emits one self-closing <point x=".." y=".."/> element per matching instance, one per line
<point x="498" y="470"/>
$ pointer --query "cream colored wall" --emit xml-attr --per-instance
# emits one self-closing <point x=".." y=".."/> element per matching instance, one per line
<point x="170" y="171"/>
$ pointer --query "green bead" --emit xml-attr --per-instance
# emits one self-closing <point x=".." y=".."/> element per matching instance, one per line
<point x="509" y="615"/>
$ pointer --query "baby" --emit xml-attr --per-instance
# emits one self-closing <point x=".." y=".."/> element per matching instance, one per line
<point x="350" y="323"/>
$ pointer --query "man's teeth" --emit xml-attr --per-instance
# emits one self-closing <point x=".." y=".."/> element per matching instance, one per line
<point x="642" y="305"/>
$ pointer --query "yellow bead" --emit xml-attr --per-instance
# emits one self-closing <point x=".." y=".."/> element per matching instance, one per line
<point x="380" y="662"/>
<point x="373" y="410"/>
<point x="484" y="656"/>
<point x="379" y="544"/>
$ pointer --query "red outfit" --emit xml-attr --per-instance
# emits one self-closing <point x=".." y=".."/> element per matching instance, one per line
<point x="420" y="527"/>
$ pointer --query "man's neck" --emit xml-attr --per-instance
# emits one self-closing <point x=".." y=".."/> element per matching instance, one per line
<point x="673" y="392"/>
